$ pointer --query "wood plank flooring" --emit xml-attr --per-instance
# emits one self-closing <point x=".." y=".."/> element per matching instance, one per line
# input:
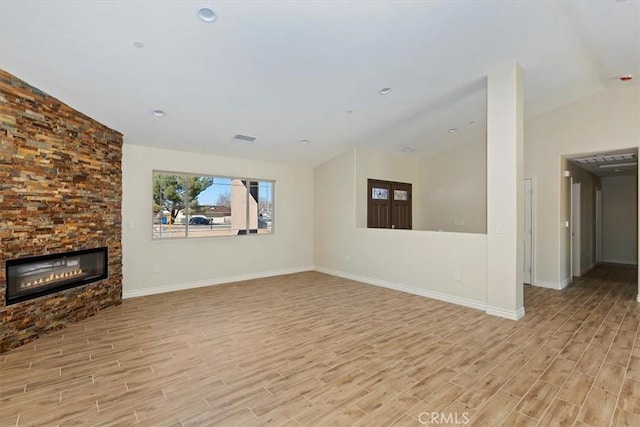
<point x="310" y="349"/>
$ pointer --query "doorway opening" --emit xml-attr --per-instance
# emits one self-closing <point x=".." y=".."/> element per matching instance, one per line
<point x="602" y="219"/>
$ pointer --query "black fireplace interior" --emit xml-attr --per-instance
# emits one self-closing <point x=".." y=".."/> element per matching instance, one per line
<point x="33" y="277"/>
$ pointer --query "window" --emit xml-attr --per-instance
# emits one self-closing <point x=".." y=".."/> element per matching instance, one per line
<point x="187" y="205"/>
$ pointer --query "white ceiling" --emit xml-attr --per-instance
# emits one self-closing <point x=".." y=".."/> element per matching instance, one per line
<point x="284" y="71"/>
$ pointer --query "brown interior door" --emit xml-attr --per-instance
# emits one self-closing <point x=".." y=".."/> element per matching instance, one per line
<point x="389" y="204"/>
<point x="379" y="204"/>
<point x="401" y="206"/>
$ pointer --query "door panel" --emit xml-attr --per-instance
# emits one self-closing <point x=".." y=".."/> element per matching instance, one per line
<point x="379" y="216"/>
<point x="379" y="204"/>
<point x="401" y="206"/>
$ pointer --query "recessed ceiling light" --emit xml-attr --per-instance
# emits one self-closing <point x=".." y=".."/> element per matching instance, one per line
<point x="349" y="111"/>
<point x="207" y="15"/>
<point x="385" y="91"/>
<point x="139" y="45"/>
<point x="452" y="130"/>
<point x="158" y="113"/>
<point x="617" y="170"/>
<point x="407" y="150"/>
<point x="626" y="77"/>
<point x="472" y="122"/>
<point x="304" y="141"/>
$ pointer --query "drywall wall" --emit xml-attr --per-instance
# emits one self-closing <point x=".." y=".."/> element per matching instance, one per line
<point x="589" y="183"/>
<point x="505" y="203"/>
<point x="620" y="219"/>
<point x="453" y="185"/>
<point x="378" y="164"/>
<point x="607" y="120"/>
<point x="422" y="262"/>
<point x="184" y="263"/>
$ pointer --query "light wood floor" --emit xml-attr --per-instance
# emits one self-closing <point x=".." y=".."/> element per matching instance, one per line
<point x="311" y="349"/>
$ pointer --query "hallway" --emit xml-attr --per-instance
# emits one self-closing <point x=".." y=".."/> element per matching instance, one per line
<point x="595" y="323"/>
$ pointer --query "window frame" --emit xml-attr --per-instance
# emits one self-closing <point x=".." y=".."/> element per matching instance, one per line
<point x="187" y="175"/>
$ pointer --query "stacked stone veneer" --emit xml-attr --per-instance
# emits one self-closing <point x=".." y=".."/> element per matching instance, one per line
<point x="60" y="190"/>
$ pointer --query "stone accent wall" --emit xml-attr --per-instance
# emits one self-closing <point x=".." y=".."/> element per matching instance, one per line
<point x="60" y="190"/>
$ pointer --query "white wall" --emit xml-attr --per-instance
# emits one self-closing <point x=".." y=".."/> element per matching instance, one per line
<point x="454" y="189"/>
<point x="607" y="120"/>
<point x="620" y="219"/>
<point x="377" y="164"/>
<point x="420" y="262"/>
<point x="505" y="202"/>
<point x="185" y="263"/>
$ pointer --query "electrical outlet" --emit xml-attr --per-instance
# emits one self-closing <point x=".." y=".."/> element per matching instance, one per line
<point x="457" y="276"/>
<point x="156" y="267"/>
<point x="347" y="257"/>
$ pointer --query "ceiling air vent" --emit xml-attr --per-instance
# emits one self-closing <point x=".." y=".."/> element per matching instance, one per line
<point x="604" y="158"/>
<point x="244" y="138"/>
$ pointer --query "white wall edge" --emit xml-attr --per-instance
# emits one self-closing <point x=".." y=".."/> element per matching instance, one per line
<point x="566" y="282"/>
<point x="507" y="314"/>
<point x="404" y="288"/>
<point x="212" y="282"/>
<point x="638" y="297"/>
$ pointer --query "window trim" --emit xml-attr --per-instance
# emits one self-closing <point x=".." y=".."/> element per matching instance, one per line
<point x="186" y="236"/>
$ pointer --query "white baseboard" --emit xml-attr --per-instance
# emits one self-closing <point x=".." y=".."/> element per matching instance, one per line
<point x="638" y="297"/>
<point x="211" y="282"/>
<point x="404" y="288"/>
<point x="548" y="285"/>
<point x="513" y="315"/>
<point x="507" y="314"/>
<point x="618" y="261"/>
<point x="553" y="285"/>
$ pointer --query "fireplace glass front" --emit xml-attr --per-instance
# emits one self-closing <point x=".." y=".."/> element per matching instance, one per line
<point x="33" y="277"/>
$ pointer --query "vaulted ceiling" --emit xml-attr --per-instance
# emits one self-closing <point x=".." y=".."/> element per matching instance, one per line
<point x="286" y="71"/>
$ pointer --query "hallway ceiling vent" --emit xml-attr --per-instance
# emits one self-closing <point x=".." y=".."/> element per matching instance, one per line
<point x="606" y="158"/>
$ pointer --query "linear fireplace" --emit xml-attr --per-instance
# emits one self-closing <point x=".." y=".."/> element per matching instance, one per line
<point x="33" y="277"/>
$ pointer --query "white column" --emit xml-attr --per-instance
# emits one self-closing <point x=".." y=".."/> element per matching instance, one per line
<point x="505" y="221"/>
